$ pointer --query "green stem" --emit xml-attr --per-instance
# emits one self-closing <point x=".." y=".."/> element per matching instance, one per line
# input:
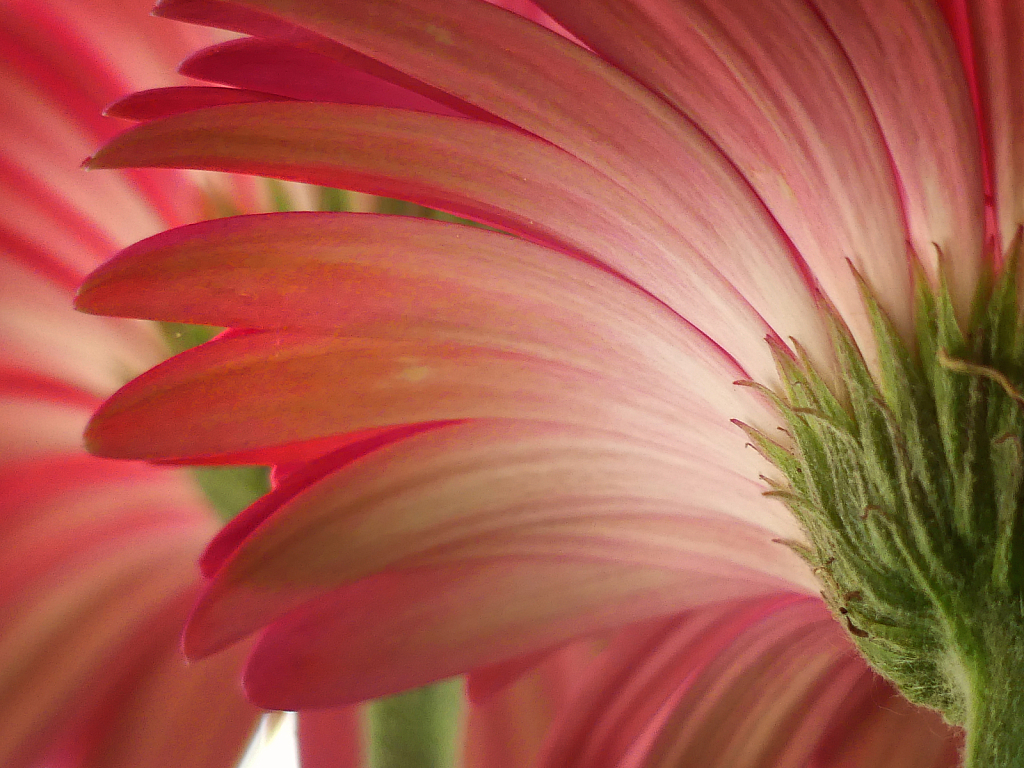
<point x="995" y="720"/>
<point x="417" y="729"/>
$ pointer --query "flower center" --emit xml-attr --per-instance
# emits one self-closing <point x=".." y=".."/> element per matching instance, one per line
<point x="911" y="491"/>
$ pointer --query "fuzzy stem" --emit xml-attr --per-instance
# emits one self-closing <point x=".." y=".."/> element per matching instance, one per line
<point x="995" y="718"/>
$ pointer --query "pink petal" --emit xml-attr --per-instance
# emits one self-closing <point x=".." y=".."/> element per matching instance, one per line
<point x="238" y="529"/>
<point x="278" y="67"/>
<point x="495" y="492"/>
<point x="267" y="389"/>
<point x="215" y="13"/>
<point x="772" y="89"/>
<point x="331" y="738"/>
<point x="162" y="102"/>
<point x="763" y="682"/>
<point x="996" y="28"/>
<point x="386" y="276"/>
<point x="484" y="172"/>
<point x="907" y="62"/>
<point x="332" y="652"/>
<point x="534" y="80"/>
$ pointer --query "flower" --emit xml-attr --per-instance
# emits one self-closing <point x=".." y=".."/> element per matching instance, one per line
<point x="98" y="557"/>
<point x="535" y="426"/>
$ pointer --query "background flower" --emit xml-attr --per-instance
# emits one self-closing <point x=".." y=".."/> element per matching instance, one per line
<point x="98" y="557"/>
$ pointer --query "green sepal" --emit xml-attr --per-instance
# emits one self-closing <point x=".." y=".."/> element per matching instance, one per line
<point x="908" y="483"/>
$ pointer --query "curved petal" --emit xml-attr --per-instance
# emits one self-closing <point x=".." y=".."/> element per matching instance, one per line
<point x="381" y="635"/>
<point x="534" y="80"/>
<point x="268" y="388"/>
<point x="473" y="169"/>
<point x="276" y="66"/>
<point x="767" y="682"/>
<point x="771" y="88"/>
<point x="503" y="491"/>
<point x="507" y="729"/>
<point x="163" y="102"/>
<point x="396" y="277"/>
<point x="906" y="59"/>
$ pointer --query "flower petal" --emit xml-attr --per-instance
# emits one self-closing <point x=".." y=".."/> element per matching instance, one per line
<point x="332" y="652"/>
<point x="499" y="491"/>
<point x="771" y="681"/>
<point x="265" y="389"/>
<point x="276" y="66"/>
<point x="162" y="102"/>
<point x="997" y="27"/>
<point x="906" y="59"/>
<point x="397" y="277"/>
<point x="772" y="89"/>
<point x="481" y="171"/>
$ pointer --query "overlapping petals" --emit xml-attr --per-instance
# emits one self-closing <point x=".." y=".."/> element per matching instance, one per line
<point x="769" y="682"/>
<point x="531" y="425"/>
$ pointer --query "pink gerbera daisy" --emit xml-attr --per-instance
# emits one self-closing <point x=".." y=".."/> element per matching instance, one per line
<point x="709" y="224"/>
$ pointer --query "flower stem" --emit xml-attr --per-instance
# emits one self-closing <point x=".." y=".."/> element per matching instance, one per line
<point x="416" y="729"/>
<point x="995" y="717"/>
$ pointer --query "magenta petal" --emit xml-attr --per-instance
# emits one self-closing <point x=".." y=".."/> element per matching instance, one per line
<point x="163" y="102"/>
<point x="278" y="67"/>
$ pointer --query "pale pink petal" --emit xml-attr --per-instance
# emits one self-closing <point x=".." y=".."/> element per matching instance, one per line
<point x="771" y="88"/>
<point x="479" y="492"/>
<point x="906" y="59"/>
